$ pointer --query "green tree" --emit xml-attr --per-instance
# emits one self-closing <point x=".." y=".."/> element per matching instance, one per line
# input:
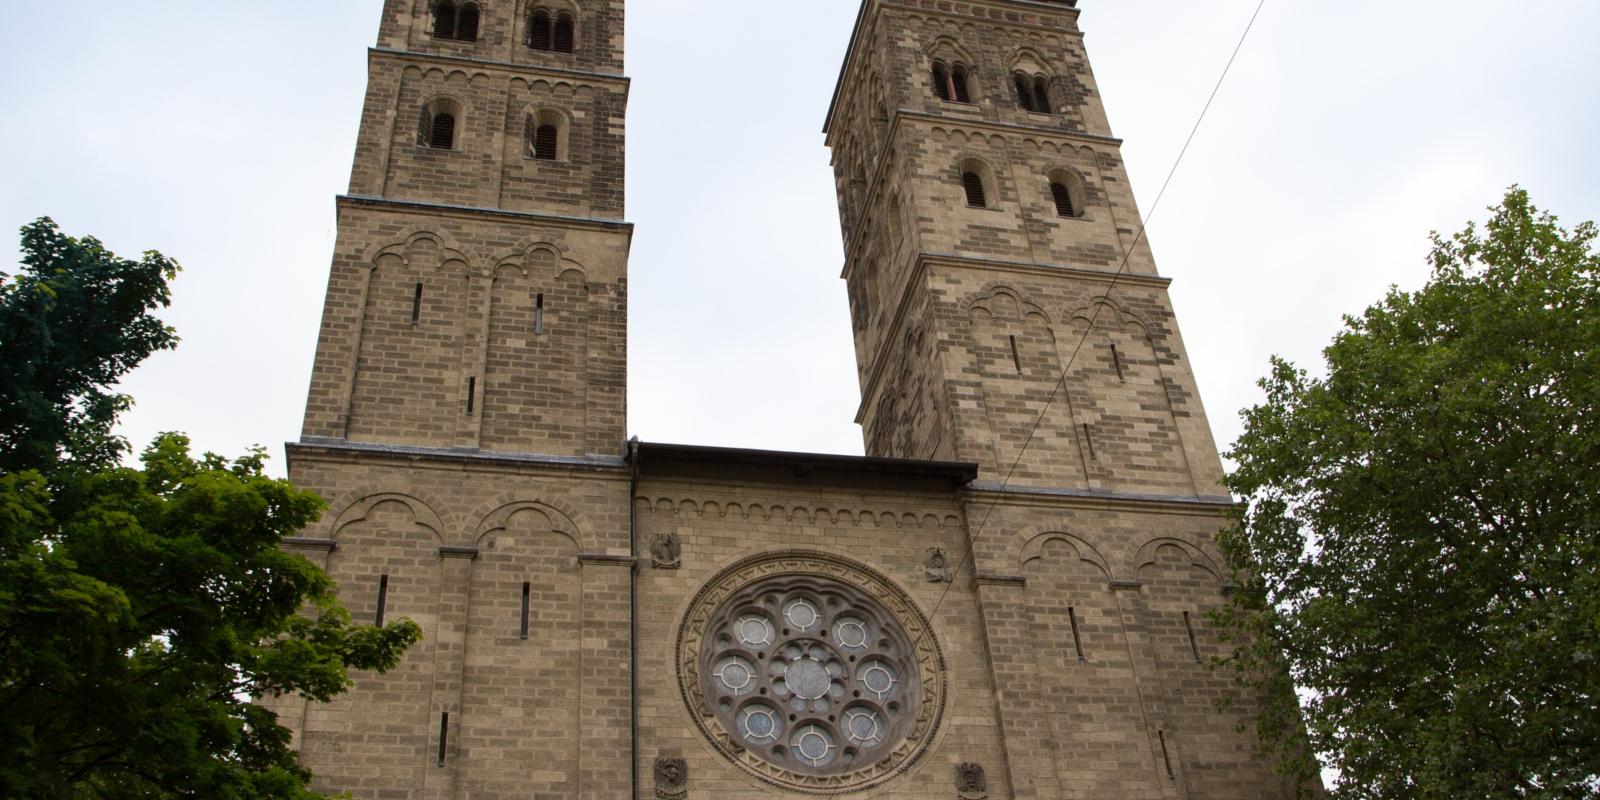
<point x="1421" y="546"/>
<point x="144" y="612"/>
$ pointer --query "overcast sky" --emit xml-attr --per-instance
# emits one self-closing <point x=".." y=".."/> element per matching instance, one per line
<point x="219" y="133"/>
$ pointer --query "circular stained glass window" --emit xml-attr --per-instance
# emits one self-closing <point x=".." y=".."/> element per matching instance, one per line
<point x="821" y="678"/>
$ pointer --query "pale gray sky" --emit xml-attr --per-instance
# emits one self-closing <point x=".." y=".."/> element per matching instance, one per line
<point x="219" y="133"/>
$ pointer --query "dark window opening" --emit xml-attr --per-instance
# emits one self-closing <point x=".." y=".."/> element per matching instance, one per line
<point x="538" y="314"/>
<point x="458" y="23"/>
<point x="1063" y="198"/>
<point x="441" y="133"/>
<point x="527" y="588"/>
<point x="544" y="143"/>
<point x="1041" y="96"/>
<point x="1016" y="357"/>
<point x="444" y="735"/>
<point x="539" y="34"/>
<point x="1024" y="92"/>
<point x="416" y="305"/>
<point x="383" y="599"/>
<point x="974" y="187"/>
<point x="1077" y="641"/>
<point x="958" y="84"/>
<point x="1116" y="360"/>
<point x="563" y="35"/>
<point x="941" y="82"/>
<point x="1165" y="758"/>
<point x="1089" y="440"/>
<point x="472" y="393"/>
<point x="1194" y="645"/>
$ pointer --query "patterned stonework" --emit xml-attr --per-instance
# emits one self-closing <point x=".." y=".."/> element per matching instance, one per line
<point x="811" y="671"/>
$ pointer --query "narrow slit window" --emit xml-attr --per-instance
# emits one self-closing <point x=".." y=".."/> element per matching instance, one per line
<point x="1063" y="197"/>
<point x="958" y="84"/>
<point x="1077" y="640"/>
<point x="444" y="735"/>
<point x="539" y="37"/>
<point x="472" y="393"/>
<point x="538" y="314"/>
<point x="416" y="305"/>
<point x="1016" y="357"/>
<point x="527" y="589"/>
<point x="973" y="185"/>
<point x="941" y="82"/>
<point x="1194" y="645"/>
<point x="563" y="38"/>
<point x="1166" y="759"/>
<point x="1116" y="360"/>
<point x="1088" y="439"/>
<point x="383" y="599"/>
<point x="1041" y="96"/>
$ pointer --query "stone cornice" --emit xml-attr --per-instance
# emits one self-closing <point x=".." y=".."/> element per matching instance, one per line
<point x="510" y="66"/>
<point x="1086" y="499"/>
<point x="316" y="447"/>
<point x="530" y="217"/>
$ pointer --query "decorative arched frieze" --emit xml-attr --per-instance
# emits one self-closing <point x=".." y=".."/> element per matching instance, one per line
<point x="403" y="243"/>
<point x="762" y="512"/>
<point x="564" y="517"/>
<point x="1000" y="300"/>
<point x="1193" y="551"/>
<point x="1031" y="546"/>
<point x="355" y="506"/>
<point x="558" y="522"/>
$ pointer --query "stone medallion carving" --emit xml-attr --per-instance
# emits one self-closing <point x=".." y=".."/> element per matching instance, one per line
<point x="811" y="671"/>
<point x="936" y="565"/>
<point x="666" y="551"/>
<point x="672" y="778"/>
<point x="971" y="783"/>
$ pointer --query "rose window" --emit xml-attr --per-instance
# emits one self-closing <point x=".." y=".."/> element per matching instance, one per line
<point x="812" y="681"/>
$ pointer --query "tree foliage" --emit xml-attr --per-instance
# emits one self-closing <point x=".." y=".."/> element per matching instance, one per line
<point x="145" y="612"/>
<point x="1419" y="551"/>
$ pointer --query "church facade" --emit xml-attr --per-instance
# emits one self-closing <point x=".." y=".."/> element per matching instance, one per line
<point x="1006" y="598"/>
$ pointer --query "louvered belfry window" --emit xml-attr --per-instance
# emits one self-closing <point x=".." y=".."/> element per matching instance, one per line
<point x="1024" y="92"/>
<point x="443" y="133"/>
<point x="974" y="187"/>
<point x="1041" y="95"/>
<point x="444" y="20"/>
<point x="958" y="84"/>
<point x="544" y="143"/>
<point x="539" y="37"/>
<point x="1063" y="198"/>
<point x="941" y="82"/>
<point x="467" y="23"/>
<point x="563" y="36"/>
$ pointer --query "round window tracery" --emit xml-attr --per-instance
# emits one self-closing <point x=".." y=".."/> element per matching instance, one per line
<point x="811" y="671"/>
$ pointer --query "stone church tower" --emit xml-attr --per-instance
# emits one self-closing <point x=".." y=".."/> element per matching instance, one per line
<point x="1005" y="598"/>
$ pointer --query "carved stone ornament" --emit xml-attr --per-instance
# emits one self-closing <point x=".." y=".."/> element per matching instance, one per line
<point x="666" y="552"/>
<point x="811" y="671"/>
<point x="971" y="783"/>
<point x="937" y="565"/>
<point x="672" y="778"/>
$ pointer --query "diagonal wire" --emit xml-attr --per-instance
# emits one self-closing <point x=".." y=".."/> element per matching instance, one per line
<point x="1067" y="370"/>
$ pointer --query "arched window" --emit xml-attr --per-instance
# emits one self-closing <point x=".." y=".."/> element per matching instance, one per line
<point x="1063" y="197"/>
<point x="551" y="32"/>
<point x="539" y="33"/>
<point x="436" y="129"/>
<point x="456" y="22"/>
<point x="563" y="36"/>
<point x="958" y="84"/>
<point x="1066" y="191"/>
<point x="972" y="183"/>
<point x="1041" y="95"/>
<point x="1033" y="93"/>
<point x="544" y="136"/>
<point x="950" y="82"/>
